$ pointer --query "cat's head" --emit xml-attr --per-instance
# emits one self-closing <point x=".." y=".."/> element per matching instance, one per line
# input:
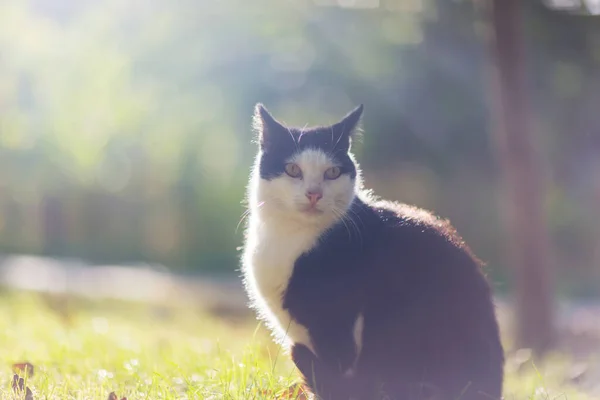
<point x="308" y="174"/>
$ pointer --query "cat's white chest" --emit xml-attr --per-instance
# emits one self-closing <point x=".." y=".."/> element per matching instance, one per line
<point x="269" y="259"/>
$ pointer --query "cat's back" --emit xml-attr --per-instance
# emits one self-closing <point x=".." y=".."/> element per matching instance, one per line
<point x="402" y="220"/>
<point x="379" y="234"/>
<point x="427" y="294"/>
<point x="406" y="230"/>
<point x="417" y="253"/>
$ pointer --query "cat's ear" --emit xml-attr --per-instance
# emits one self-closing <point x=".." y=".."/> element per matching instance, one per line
<point x="347" y="127"/>
<point x="266" y="127"/>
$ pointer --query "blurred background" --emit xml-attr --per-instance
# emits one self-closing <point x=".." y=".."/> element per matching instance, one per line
<point x="125" y="133"/>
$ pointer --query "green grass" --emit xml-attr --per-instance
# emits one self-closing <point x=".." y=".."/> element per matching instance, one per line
<point x="84" y="349"/>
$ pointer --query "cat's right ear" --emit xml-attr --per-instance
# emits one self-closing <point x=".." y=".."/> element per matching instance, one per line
<point x="265" y="126"/>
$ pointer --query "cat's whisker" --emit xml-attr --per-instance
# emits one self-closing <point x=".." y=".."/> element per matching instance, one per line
<point x="340" y="215"/>
<point x="353" y="227"/>
<point x="339" y="138"/>
<point x="293" y="138"/>
<point x="354" y="224"/>
<point x="331" y="134"/>
<point x="245" y="215"/>
<point x="302" y="131"/>
<point x="357" y="215"/>
<point x="348" y="223"/>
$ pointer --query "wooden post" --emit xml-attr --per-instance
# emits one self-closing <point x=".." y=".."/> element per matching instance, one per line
<point x="523" y="188"/>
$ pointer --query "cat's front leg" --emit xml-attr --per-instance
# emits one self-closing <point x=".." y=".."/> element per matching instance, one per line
<point x="316" y="375"/>
<point x="324" y="382"/>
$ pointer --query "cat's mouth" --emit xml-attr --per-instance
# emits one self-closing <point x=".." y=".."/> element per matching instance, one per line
<point x="311" y="210"/>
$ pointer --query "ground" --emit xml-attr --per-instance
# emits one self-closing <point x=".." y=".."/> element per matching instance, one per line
<point x="86" y="349"/>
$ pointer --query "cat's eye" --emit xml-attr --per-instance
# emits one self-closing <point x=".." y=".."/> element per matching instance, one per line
<point x="333" y="173"/>
<point x="293" y="170"/>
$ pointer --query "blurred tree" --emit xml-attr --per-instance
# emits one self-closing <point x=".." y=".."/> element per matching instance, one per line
<point x="523" y="189"/>
<point x="124" y="126"/>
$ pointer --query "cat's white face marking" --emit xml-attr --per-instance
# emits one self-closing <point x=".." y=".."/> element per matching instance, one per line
<point x="285" y="196"/>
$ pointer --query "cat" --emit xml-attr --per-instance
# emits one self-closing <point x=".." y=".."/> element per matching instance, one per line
<point x="372" y="299"/>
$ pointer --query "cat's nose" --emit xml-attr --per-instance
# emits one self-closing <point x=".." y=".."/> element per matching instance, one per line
<point x="314" y="196"/>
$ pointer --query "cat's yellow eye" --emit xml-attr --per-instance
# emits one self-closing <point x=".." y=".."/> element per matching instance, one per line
<point x="333" y="173"/>
<point x="293" y="170"/>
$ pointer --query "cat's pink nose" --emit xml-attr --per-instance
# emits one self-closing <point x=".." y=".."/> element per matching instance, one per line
<point x="314" y="196"/>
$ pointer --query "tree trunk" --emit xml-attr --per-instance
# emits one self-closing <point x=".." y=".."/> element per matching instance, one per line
<point x="522" y="181"/>
<point x="53" y="225"/>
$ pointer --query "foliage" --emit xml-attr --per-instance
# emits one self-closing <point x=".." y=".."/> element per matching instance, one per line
<point x="125" y="126"/>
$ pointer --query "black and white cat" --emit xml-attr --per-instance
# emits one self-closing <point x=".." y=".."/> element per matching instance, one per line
<point x="373" y="299"/>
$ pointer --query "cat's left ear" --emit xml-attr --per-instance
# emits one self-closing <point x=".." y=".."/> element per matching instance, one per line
<point x="347" y="127"/>
<point x="270" y="131"/>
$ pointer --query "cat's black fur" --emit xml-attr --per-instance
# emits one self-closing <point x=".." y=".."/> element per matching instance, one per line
<point x="430" y="329"/>
<point x="427" y="308"/>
